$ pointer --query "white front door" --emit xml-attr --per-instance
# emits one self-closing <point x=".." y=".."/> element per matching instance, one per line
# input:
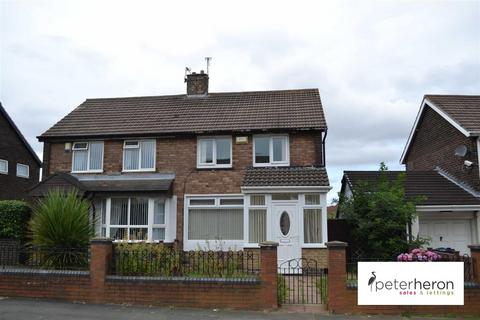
<point x="454" y="234"/>
<point x="286" y="231"/>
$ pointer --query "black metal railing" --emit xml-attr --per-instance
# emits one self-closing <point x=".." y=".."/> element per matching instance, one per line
<point x="178" y="263"/>
<point x="50" y="258"/>
<point x="302" y="281"/>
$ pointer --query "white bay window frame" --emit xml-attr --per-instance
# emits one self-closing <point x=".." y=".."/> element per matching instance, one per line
<point x="127" y="144"/>
<point x="88" y="150"/>
<point x="213" y="139"/>
<point x="272" y="163"/>
<point x="169" y="224"/>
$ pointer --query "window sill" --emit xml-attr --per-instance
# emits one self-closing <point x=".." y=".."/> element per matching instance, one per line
<point x="3" y="172"/>
<point x="24" y="177"/>
<point x="271" y="164"/>
<point x="141" y="170"/>
<point x="90" y="171"/>
<point x="213" y="167"/>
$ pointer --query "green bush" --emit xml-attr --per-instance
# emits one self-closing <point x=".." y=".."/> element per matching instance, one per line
<point x="14" y="216"/>
<point x="62" y="228"/>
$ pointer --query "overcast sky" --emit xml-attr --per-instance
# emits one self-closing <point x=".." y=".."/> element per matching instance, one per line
<point x="372" y="61"/>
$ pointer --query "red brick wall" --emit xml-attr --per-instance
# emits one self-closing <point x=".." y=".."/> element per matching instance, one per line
<point x="98" y="288"/>
<point x="434" y="145"/>
<point x="343" y="300"/>
<point x="179" y="155"/>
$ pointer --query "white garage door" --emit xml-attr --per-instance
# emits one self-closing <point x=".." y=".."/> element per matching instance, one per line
<point x="456" y="234"/>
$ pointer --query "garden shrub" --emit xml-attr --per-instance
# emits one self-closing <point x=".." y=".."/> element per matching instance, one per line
<point x="157" y="259"/>
<point x="61" y="227"/>
<point x="14" y="217"/>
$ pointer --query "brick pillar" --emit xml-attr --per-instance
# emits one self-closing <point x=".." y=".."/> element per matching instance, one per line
<point x="475" y="254"/>
<point x="337" y="274"/>
<point x="101" y="254"/>
<point x="268" y="273"/>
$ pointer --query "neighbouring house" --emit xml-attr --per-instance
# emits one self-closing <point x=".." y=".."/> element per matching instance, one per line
<point x="19" y="165"/>
<point x="211" y="170"/>
<point x="441" y="158"/>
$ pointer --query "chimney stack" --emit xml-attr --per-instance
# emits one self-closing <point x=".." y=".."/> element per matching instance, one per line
<point x="197" y="83"/>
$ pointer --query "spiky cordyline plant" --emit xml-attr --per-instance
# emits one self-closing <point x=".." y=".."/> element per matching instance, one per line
<point x="61" y="228"/>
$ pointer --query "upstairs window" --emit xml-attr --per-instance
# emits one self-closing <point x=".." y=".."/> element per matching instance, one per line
<point x="23" y="171"/>
<point x="3" y="166"/>
<point x="271" y="151"/>
<point x="87" y="156"/>
<point x="214" y="152"/>
<point x="139" y="155"/>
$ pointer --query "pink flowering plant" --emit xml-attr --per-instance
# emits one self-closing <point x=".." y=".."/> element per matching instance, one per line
<point x="419" y="254"/>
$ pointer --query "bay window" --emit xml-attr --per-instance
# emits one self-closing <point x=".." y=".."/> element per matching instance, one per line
<point x="271" y="150"/>
<point x="87" y="156"/>
<point x="312" y="219"/>
<point x="139" y="155"/>
<point x="215" y="218"/>
<point x="214" y="152"/>
<point x="133" y="219"/>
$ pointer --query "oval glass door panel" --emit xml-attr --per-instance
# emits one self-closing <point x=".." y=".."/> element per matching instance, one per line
<point x="284" y="223"/>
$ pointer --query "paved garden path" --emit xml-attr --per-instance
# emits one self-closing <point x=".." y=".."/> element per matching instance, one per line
<point x="23" y="309"/>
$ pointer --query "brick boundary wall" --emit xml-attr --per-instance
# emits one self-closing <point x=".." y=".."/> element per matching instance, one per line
<point x="344" y="300"/>
<point x="97" y="286"/>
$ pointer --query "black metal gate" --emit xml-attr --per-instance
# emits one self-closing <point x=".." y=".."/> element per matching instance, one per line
<point x="302" y="281"/>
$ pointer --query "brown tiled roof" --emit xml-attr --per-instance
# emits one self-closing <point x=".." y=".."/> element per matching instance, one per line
<point x="465" y="110"/>
<point x="437" y="189"/>
<point x="229" y="111"/>
<point x="285" y="176"/>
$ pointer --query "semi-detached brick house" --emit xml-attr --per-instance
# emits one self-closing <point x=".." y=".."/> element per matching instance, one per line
<point x="442" y="165"/>
<point x="218" y="170"/>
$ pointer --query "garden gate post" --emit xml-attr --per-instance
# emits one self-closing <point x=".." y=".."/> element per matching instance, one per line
<point x="101" y="250"/>
<point x="268" y="273"/>
<point x="337" y="274"/>
<point x="475" y="254"/>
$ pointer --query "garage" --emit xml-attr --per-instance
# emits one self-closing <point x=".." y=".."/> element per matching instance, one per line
<point x="447" y="233"/>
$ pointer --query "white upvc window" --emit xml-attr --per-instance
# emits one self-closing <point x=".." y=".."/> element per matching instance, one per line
<point x="271" y="150"/>
<point x="134" y="219"/>
<point x="3" y="166"/>
<point x="217" y="218"/>
<point x="87" y="156"/>
<point x="214" y="152"/>
<point x="139" y="155"/>
<point x="257" y="219"/>
<point x="312" y="219"/>
<point x="23" y="170"/>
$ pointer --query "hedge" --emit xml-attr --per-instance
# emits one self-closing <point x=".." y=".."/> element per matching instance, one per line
<point x="14" y="217"/>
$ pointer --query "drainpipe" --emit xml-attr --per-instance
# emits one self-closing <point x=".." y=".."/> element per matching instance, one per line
<point x="324" y="156"/>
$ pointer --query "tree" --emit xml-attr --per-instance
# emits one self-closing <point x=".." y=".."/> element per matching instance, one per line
<point x="378" y="216"/>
